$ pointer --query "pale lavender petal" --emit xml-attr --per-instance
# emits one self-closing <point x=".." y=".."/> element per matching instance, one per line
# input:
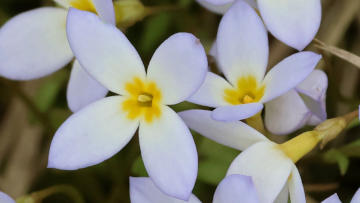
<point x="237" y="112"/>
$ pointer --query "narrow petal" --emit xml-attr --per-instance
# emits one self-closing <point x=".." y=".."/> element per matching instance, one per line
<point x="314" y="89"/>
<point x="242" y="43"/>
<point x="143" y="190"/>
<point x="105" y="9"/>
<point x="332" y="199"/>
<point x="356" y="197"/>
<point x="234" y="188"/>
<point x="296" y="188"/>
<point x="219" y="8"/>
<point x="103" y="50"/>
<point x="92" y="135"/>
<point x="286" y="114"/>
<point x="169" y="154"/>
<point x="294" y="22"/>
<point x="234" y="134"/>
<point x="4" y="198"/>
<point x="178" y="67"/>
<point x="268" y="167"/>
<point x="238" y="112"/>
<point x="289" y="73"/>
<point x="33" y="44"/>
<point x="83" y="89"/>
<point x="211" y="92"/>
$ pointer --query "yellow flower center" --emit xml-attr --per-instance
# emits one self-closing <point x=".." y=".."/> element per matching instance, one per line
<point x="247" y="90"/>
<point x="85" y="5"/>
<point x="143" y="100"/>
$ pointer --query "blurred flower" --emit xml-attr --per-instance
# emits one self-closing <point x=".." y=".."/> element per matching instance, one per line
<point x="303" y="105"/>
<point x="293" y="22"/>
<point x="143" y="190"/>
<point x="98" y="131"/>
<point x="4" y="198"/>
<point x="236" y="188"/>
<point x="242" y="54"/>
<point x="335" y="198"/>
<point x="34" y="44"/>
<point x="270" y="165"/>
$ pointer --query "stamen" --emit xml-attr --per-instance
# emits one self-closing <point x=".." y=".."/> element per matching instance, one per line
<point x="247" y="99"/>
<point x="145" y="98"/>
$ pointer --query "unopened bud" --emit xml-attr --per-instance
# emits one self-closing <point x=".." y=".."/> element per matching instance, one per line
<point x="330" y="129"/>
<point x="128" y="12"/>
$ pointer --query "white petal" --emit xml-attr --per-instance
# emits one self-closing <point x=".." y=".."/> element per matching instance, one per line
<point x="296" y="188"/>
<point x="4" y="198"/>
<point x="286" y="114"/>
<point x="234" y="188"/>
<point x="289" y="73"/>
<point x="33" y="44"/>
<point x="283" y="197"/>
<point x="83" y="89"/>
<point x="143" y="190"/>
<point x="103" y="50"/>
<point x="105" y="9"/>
<point x="356" y="197"/>
<point x="92" y="135"/>
<point x="333" y="199"/>
<point x="169" y="154"/>
<point x="242" y="43"/>
<point x="314" y="89"/>
<point x="238" y="112"/>
<point x="268" y="167"/>
<point x="178" y="67"/>
<point x="234" y="134"/>
<point x="219" y="8"/>
<point x="294" y="22"/>
<point x="211" y="92"/>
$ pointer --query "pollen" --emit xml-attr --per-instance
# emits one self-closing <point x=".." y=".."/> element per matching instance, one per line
<point x="143" y="100"/>
<point x="247" y="90"/>
<point x="85" y="5"/>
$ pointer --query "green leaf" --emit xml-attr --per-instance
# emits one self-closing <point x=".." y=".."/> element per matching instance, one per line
<point x="138" y="168"/>
<point x="335" y="156"/>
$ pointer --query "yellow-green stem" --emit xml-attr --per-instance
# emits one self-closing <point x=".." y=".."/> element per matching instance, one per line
<point x="257" y="123"/>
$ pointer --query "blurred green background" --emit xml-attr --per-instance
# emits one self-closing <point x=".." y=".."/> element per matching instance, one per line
<point x="31" y="111"/>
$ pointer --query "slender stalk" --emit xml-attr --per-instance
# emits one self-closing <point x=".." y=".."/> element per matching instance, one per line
<point x="68" y="190"/>
<point x="257" y="123"/>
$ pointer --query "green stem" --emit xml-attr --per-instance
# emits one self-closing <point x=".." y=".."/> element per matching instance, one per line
<point x="257" y="123"/>
<point x="64" y="189"/>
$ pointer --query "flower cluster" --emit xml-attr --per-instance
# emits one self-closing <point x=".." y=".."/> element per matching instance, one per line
<point x="292" y="94"/>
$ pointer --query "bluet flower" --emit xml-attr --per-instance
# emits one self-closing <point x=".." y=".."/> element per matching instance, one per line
<point x="242" y="54"/>
<point x="33" y="44"/>
<point x="4" y="198"/>
<point x="294" y="22"/>
<point x="335" y="198"/>
<point x="101" y="129"/>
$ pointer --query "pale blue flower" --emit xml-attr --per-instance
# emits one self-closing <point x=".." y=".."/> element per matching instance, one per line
<point x="335" y="198"/>
<point x="4" y="198"/>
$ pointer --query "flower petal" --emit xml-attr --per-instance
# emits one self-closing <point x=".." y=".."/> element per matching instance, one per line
<point x="268" y="167"/>
<point x="234" y="188"/>
<point x="218" y="7"/>
<point x="234" y="134"/>
<point x="284" y="195"/>
<point x="83" y="89"/>
<point x="285" y="114"/>
<point x="178" y="67"/>
<point x="4" y="198"/>
<point x="105" y="9"/>
<point x="356" y="197"/>
<point x="104" y="51"/>
<point x="294" y="22"/>
<point x="33" y="44"/>
<point x="143" y="190"/>
<point x="91" y="135"/>
<point x="296" y="188"/>
<point x="169" y="154"/>
<point x="211" y="92"/>
<point x="332" y="199"/>
<point x="289" y="73"/>
<point x="242" y="43"/>
<point x="237" y="112"/>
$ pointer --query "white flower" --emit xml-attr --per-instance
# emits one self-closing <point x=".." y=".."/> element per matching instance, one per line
<point x="143" y="190"/>
<point x="33" y="44"/>
<point x="335" y="198"/>
<point x="4" y="198"/>
<point x="294" y="22"/>
<point x="98" y="131"/>
<point x="270" y="165"/>
<point x="303" y="105"/>
<point x="242" y="55"/>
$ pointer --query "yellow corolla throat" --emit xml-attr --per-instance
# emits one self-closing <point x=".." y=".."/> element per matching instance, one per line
<point x="143" y="100"/>
<point x="85" y="5"/>
<point x="247" y="90"/>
